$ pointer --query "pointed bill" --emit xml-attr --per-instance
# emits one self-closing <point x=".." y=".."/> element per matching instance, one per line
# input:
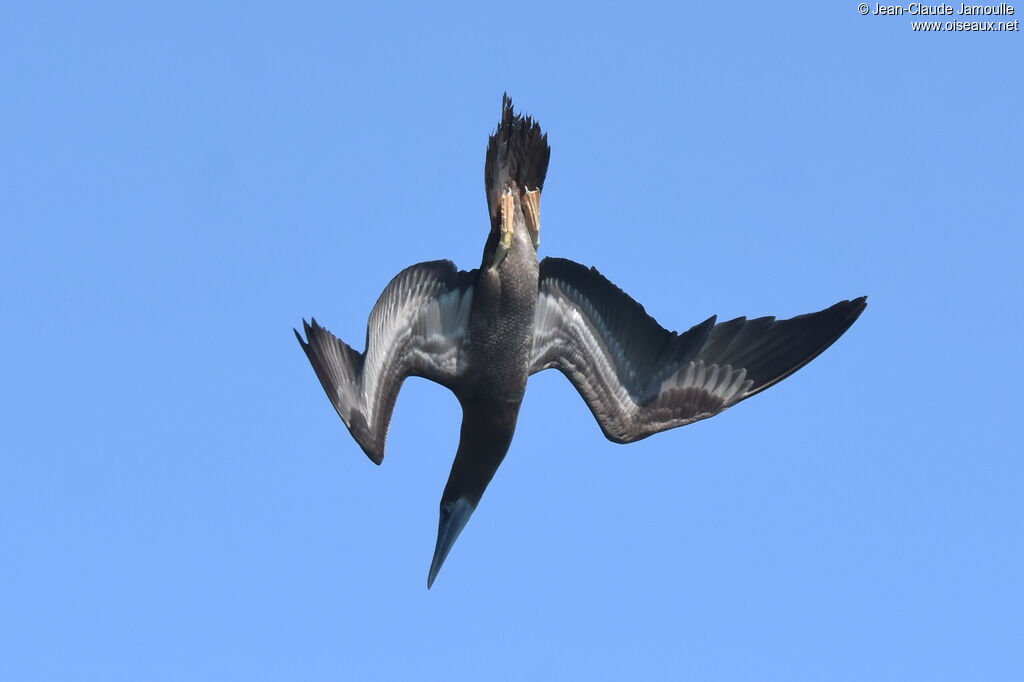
<point x="453" y="519"/>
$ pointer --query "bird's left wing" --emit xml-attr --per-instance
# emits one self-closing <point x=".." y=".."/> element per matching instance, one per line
<point x="638" y="378"/>
<point x="416" y="329"/>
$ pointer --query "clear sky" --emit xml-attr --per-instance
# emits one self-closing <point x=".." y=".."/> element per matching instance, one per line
<point x="181" y="185"/>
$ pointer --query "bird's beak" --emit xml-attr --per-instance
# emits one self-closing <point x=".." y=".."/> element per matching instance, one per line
<point x="454" y="516"/>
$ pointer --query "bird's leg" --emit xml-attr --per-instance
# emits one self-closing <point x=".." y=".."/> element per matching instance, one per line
<point x="508" y="216"/>
<point x="531" y="204"/>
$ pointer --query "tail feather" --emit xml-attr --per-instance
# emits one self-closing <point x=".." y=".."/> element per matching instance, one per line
<point x="517" y="156"/>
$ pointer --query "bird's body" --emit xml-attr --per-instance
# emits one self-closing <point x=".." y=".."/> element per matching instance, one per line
<point x="497" y="347"/>
<point x="501" y="319"/>
<point x="483" y="333"/>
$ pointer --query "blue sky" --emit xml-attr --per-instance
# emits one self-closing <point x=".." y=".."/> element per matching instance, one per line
<point x="181" y="185"/>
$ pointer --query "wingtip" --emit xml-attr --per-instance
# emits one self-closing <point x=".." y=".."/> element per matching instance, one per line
<point x="307" y="330"/>
<point x="857" y="306"/>
<point x="851" y="308"/>
<point x="311" y="328"/>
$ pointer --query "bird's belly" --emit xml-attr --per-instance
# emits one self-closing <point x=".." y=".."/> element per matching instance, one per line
<point x="498" y="351"/>
<point x="501" y="361"/>
<point x="500" y="339"/>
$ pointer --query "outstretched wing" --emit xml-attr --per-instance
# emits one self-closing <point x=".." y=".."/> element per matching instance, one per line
<point x="415" y="329"/>
<point x="638" y="378"/>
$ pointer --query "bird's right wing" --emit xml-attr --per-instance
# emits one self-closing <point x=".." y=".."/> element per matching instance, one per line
<point x="415" y="329"/>
<point x="638" y="378"/>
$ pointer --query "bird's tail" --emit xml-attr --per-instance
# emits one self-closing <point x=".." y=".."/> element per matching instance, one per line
<point x="517" y="157"/>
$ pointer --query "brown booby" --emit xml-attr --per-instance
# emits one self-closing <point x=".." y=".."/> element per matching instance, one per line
<point x="482" y="333"/>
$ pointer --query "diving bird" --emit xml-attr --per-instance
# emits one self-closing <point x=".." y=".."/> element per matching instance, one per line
<point x="482" y="333"/>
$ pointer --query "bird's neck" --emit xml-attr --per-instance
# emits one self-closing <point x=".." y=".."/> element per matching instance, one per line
<point x="487" y="429"/>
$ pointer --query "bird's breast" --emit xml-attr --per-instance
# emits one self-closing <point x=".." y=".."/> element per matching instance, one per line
<point x="501" y="321"/>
